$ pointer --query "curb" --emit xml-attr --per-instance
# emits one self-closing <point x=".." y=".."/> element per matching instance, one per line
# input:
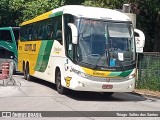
<point x="145" y="95"/>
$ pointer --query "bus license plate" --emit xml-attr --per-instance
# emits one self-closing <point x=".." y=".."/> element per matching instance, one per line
<point x="107" y="86"/>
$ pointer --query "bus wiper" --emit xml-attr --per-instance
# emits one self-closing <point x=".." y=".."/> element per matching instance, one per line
<point x="99" y="60"/>
<point x="121" y="66"/>
<point x="86" y="63"/>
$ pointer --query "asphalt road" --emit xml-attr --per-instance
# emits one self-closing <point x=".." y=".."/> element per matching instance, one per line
<point x="38" y="95"/>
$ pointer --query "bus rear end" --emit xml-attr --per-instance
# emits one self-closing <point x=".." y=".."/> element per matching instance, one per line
<point x="8" y="45"/>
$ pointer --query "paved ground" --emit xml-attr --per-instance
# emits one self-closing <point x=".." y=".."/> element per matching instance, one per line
<point x="38" y="95"/>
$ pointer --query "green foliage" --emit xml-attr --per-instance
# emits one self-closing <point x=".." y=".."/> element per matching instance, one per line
<point x="73" y="2"/>
<point x="16" y="11"/>
<point x="149" y="74"/>
<point x="113" y="4"/>
<point x="147" y="12"/>
<point x="4" y="6"/>
<point x="13" y="12"/>
<point x="34" y="8"/>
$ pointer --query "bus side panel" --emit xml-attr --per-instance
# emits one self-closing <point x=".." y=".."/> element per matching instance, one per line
<point x="28" y="52"/>
<point x="55" y="59"/>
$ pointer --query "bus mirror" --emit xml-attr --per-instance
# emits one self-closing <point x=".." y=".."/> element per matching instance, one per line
<point x="140" y="40"/>
<point x="74" y="33"/>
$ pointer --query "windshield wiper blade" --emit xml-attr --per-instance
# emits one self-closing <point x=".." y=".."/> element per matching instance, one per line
<point x="99" y="60"/>
<point x="121" y="66"/>
<point x="86" y="63"/>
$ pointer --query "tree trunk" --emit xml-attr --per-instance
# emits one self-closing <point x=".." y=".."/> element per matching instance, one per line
<point x="157" y="34"/>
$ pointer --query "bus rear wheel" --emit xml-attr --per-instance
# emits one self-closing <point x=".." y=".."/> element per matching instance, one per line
<point x="28" y="76"/>
<point x="60" y="88"/>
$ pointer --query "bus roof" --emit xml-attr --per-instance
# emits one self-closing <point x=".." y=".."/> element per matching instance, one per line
<point x="83" y="11"/>
<point x="8" y="28"/>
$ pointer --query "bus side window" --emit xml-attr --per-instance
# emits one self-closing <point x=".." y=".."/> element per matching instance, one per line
<point x="40" y="31"/>
<point x="16" y="35"/>
<point x="23" y="33"/>
<point x="70" y="45"/>
<point x="6" y="35"/>
<point x="58" y="29"/>
<point x="59" y="36"/>
<point x="34" y="31"/>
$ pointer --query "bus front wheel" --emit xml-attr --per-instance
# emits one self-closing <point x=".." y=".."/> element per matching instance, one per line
<point x="60" y="88"/>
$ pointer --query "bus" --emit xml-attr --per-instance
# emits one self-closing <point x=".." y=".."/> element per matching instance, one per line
<point x="8" y="45"/>
<point x="73" y="47"/>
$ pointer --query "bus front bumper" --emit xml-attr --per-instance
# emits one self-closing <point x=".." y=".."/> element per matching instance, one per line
<point x="82" y="84"/>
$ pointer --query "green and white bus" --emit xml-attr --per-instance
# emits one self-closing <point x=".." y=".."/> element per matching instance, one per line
<point x="80" y="48"/>
<point x="8" y="45"/>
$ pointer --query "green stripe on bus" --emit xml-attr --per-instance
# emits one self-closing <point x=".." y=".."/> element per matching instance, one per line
<point x="56" y="14"/>
<point x="43" y="56"/>
<point x="40" y="55"/>
<point x="114" y="74"/>
<point x="125" y="73"/>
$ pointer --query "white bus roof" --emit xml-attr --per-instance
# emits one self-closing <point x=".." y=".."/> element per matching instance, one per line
<point x="93" y="12"/>
<point x="82" y="11"/>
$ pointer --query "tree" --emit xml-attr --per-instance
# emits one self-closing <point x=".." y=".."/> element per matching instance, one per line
<point x="112" y="4"/>
<point x="148" y="20"/>
<point x="148" y="17"/>
<point x="73" y="2"/>
<point x="4" y="13"/>
<point x="35" y="8"/>
<point x="13" y="12"/>
<point x="156" y="47"/>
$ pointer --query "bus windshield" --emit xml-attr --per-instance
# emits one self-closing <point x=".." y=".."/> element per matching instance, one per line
<point x="105" y="44"/>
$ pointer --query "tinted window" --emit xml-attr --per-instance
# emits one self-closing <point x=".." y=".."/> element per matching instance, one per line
<point x="16" y="34"/>
<point x="5" y="35"/>
<point x="45" y="29"/>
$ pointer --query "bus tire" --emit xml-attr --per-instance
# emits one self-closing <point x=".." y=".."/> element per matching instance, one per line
<point x="14" y="69"/>
<point x="108" y="93"/>
<point x="24" y="71"/>
<point x="28" y="76"/>
<point x="60" y="88"/>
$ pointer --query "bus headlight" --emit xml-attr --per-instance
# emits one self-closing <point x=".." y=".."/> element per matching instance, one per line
<point x="82" y="74"/>
<point x="131" y="76"/>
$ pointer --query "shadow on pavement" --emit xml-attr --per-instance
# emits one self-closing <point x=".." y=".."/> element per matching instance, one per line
<point x="94" y="96"/>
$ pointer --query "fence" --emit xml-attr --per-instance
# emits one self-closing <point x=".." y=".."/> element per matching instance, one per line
<point x="149" y="71"/>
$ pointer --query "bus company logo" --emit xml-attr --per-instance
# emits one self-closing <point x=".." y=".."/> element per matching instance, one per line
<point x="20" y="47"/>
<point x="57" y="49"/>
<point x="6" y="114"/>
<point x="98" y="73"/>
<point x="108" y="79"/>
<point x="68" y="79"/>
<point x="30" y="47"/>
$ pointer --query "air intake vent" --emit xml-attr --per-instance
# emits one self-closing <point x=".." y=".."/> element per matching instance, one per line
<point x="126" y="8"/>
